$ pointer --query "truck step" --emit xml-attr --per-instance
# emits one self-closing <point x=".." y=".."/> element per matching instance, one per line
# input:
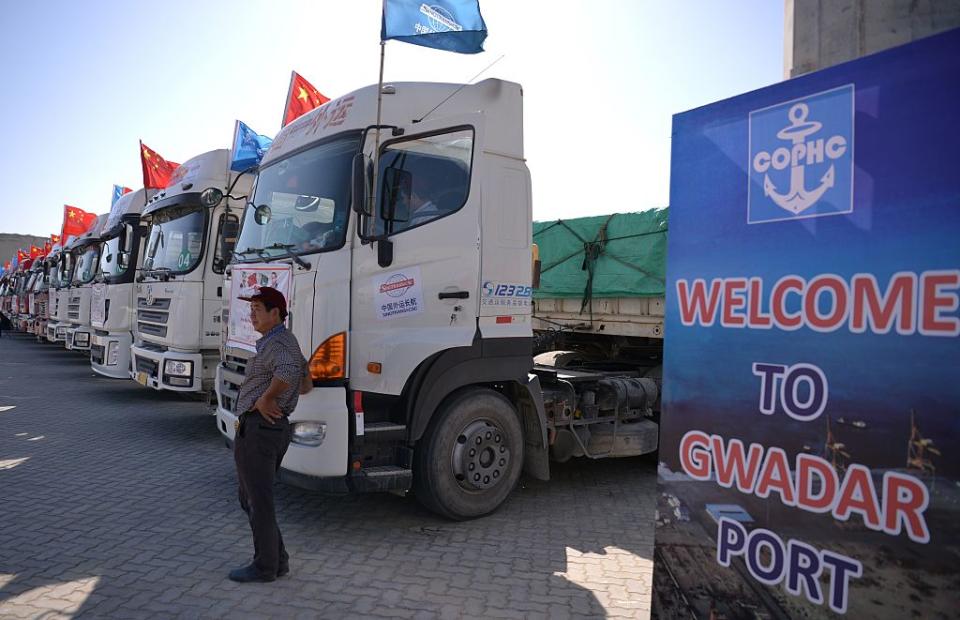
<point x="381" y="432"/>
<point x="385" y="478"/>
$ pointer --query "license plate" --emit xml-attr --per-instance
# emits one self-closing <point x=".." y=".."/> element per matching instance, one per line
<point x="142" y="378"/>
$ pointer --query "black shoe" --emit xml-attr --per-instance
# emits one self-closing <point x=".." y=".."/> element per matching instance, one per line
<point x="249" y="574"/>
<point x="283" y="570"/>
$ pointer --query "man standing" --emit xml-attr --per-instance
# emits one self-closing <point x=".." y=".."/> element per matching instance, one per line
<point x="275" y="378"/>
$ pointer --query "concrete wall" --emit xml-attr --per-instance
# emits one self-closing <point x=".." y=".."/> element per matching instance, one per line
<point x="10" y="242"/>
<point x="821" y="33"/>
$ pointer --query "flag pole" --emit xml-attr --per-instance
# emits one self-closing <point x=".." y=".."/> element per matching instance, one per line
<point x="145" y="192"/>
<point x="376" y="142"/>
<point x="286" y="105"/>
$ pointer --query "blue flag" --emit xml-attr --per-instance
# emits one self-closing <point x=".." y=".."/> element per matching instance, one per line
<point x="118" y="190"/>
<point x="451" y="25"/>
<point x="249" y="147"/>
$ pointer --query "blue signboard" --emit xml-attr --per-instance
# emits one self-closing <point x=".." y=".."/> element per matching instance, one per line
<point x="810" y="436"/>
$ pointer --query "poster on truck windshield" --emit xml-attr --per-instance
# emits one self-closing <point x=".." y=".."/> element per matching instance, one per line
<point x="245" y="281"/>
<point x="809" y="462"/>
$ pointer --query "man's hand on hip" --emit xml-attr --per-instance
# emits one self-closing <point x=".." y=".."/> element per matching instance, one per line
<point x="268" y="409"/>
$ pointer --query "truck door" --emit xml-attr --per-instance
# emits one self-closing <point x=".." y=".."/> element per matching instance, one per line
<point x="423" y="299"/>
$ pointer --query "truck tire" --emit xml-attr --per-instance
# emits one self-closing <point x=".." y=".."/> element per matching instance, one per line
<point x="471" y="455"/>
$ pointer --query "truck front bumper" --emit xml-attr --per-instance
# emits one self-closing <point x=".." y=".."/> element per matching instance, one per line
<point x="320" y="426"/>
<point x="149" y="369"/>
<point x="78" y="338"/>
<point x="57" y="332"/>
<point x="110" y="354"/>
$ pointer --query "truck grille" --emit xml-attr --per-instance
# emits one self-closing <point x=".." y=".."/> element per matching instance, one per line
<point x="159" y="303"/>
<point x="73" y="308"/>
<point x="153" y="330"/>
<point x="152" y="319"/>
<point x="147" y="365"/>
<point x="233" y="370"/>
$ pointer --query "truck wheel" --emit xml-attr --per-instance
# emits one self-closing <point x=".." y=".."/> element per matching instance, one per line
<point x="471" y="455"/>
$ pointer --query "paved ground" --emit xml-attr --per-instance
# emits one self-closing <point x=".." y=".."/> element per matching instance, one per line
<point x="117" y="501"/>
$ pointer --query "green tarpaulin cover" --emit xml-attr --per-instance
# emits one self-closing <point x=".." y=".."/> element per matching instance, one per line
<point x="618" y="255"/>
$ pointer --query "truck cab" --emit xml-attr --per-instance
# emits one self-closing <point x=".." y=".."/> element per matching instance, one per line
<point x="60" y="296"/>
<point x="26" y="298"/>
<point x="191" y="227"/>
<point x="5" y="279"/>
<point x="86" y="255"/>
<point x="421" y="375"/>
<point x="113" y="304"/>
<point x="39" y="299"/>
<point x="51" y="275"/>
<point x="24" y="285"/>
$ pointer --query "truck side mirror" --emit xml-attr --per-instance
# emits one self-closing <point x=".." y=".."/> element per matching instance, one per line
<point x="359" y="184"/>
<point x="396" y="189"/>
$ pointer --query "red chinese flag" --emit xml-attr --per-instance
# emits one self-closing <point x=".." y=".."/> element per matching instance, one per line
<point x="76" y="222"/>
<point x="156" y="170"/>
<point x="21" y="255"/>
<point x="54" y="238"/>
<point x="301" y="98"/>
<point x="6" y="266"/>
<point x="35" y="251"/>
<point x="47" y="246"/>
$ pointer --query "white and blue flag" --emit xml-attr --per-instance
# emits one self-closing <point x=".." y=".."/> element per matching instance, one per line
<point x="249" y="147"/>
<point x="451" y="25"/>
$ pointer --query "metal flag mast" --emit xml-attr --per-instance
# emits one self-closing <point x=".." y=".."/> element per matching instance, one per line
<point x="286" y="105"/>
<point x="376" y="142"/>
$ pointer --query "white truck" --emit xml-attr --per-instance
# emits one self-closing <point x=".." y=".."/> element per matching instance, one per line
<point x="413" y="306"/>
<point x="86" y="255"/>
<point x="62" y="262"/>
<point x="39" y="299"/>
<point x="28" y="276"/>
<point x="192" y="225"/>
<point x="51" y="267"/>
<point x="114" y="296"/>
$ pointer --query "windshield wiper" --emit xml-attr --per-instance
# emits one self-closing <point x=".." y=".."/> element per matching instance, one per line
<point x="286" y="248"/>
<point x="259" y="252"/>
<point x="161" y="273"/>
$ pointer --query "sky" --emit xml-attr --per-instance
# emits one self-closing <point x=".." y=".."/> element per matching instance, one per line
<point x="82" y="82"/>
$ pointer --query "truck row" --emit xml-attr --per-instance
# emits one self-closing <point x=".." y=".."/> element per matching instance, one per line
<point x="405" y="251"/>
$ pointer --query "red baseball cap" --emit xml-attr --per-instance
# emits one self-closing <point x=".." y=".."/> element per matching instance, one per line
<point x="270" y="298"/>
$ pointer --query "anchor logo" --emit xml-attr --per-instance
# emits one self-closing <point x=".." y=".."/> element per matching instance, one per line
<point x="797" y="198"/>
<point x="795" y="141"/>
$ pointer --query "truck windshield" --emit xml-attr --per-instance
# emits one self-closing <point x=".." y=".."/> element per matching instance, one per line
<point x="176" y="238"/>
<point x="38" y="282"/>
<point x="117" y="253"/>
<point x="66" y="269"/>
<point x="87" y="264"/>
<point x="301" y="203"/>
<point x="53" y="276"/>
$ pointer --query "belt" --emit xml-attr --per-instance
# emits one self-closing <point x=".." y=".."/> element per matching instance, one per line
<point x="255" y="412"/>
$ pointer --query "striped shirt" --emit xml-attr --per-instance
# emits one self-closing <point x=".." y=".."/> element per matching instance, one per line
<point x="278" y="355"/>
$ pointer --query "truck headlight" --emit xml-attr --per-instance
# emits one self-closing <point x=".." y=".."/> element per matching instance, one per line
<point x="113" y="353"/>
<point x="81" y="339"/>
<point x="309" y="433"/>
<point x="177" y="368"/>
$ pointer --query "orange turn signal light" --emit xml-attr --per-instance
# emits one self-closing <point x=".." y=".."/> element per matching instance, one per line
<point x="374" y="368"/>
<point x="329" y="361"/>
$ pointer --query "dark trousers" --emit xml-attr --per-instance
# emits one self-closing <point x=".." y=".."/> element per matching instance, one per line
<point x="258" y="450"/>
